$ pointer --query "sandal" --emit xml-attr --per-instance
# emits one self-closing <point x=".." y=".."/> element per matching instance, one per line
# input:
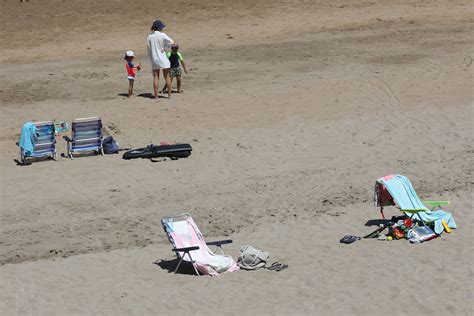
<point x="349" y="239"/>
<point x="276" y="266"/>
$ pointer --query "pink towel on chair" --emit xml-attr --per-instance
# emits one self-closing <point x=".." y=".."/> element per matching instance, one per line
<point x="186" y="234"/>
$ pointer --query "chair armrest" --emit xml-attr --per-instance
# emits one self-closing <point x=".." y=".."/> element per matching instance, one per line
<point x="220" y="242"/>
<point x="66" y="138"/>
<point x="186" y="249"/>
<point x="436" y="203"/>
<point x="414" y="210"/>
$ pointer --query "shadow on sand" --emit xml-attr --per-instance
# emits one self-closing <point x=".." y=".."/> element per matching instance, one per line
<point x="185" y="268"/>
<point x="377" y="222"/>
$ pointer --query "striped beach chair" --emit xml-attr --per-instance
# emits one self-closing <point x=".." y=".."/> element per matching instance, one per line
<point x="86" y="136"/>
<point x="44" y="143"/>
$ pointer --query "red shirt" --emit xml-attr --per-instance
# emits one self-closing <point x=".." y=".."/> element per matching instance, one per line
<point x="131" y="69"/>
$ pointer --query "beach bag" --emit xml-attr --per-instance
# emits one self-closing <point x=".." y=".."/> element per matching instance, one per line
<point x="420" y="234"/>
<point x="110" y="146"/>
<point x="251" y="258"/>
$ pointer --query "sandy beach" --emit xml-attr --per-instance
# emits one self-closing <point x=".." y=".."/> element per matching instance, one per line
<point x="293" y="109"/>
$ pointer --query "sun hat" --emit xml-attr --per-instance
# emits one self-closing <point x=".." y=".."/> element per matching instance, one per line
<point x="158" y="25"/>
<point x="130" y="53"/>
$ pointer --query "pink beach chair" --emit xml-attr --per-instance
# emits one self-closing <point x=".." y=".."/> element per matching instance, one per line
<point x="189" y="245"/>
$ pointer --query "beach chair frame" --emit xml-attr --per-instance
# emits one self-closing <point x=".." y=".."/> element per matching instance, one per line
<point x="187" y="250"/>
<point x="45" y="143"/>
<point x="384" y="198"/>
<point x="80" y="141"/>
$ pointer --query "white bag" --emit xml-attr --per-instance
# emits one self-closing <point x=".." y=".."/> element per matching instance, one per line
<point x="251" y="258"/>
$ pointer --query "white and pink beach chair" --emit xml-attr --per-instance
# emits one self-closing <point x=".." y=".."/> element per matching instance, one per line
<point x="189" y="245"/>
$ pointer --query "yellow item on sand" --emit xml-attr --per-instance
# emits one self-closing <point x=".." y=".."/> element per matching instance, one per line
<point x="389" y="238"/>
<point x="446" y="227"/>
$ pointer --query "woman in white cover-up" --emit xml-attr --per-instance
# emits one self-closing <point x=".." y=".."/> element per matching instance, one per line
<point x="157" y="43"/>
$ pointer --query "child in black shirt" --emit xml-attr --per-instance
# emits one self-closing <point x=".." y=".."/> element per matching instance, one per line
<point x="175" y="58"/>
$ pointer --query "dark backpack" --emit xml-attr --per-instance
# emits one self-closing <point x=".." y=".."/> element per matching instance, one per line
<point x="110" y="146"/>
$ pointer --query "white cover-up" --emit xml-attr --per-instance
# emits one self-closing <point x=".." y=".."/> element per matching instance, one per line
<point x="158" y="43"/>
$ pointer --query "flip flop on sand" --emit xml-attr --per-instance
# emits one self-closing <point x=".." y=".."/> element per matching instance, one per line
<point x="349" y="239"/>
<point x="276" y="266"/>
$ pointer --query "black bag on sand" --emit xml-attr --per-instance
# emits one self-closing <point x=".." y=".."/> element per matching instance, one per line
<point x="110" y="146"/>
<point x="151" y="151"/>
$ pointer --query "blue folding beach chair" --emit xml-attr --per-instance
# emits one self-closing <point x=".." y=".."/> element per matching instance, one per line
<point x="86" y="136"/>
<point x="44" y="143"/>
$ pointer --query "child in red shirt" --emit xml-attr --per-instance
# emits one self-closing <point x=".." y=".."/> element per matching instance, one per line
<point x="131" y="70"/>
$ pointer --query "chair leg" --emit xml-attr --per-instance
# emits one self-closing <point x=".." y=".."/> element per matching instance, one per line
<point x="219" y="247"/>
<point x="179" y="263"/>
<point x="24" y="158"/>
<point x="192" y="262"/>
<point x="181" y="260"/>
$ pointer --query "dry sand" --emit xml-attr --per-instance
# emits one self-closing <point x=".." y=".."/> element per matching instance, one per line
<point x="293" y="109"/>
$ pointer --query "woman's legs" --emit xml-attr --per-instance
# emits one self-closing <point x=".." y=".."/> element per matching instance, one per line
<point x="166" y="85"/>
<point x="156" y="79"/>
<point x="166" y="74"/>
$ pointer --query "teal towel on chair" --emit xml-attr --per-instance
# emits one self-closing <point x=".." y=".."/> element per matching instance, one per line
<point x="404" y="195"/>
<point x="27" y="138"/>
